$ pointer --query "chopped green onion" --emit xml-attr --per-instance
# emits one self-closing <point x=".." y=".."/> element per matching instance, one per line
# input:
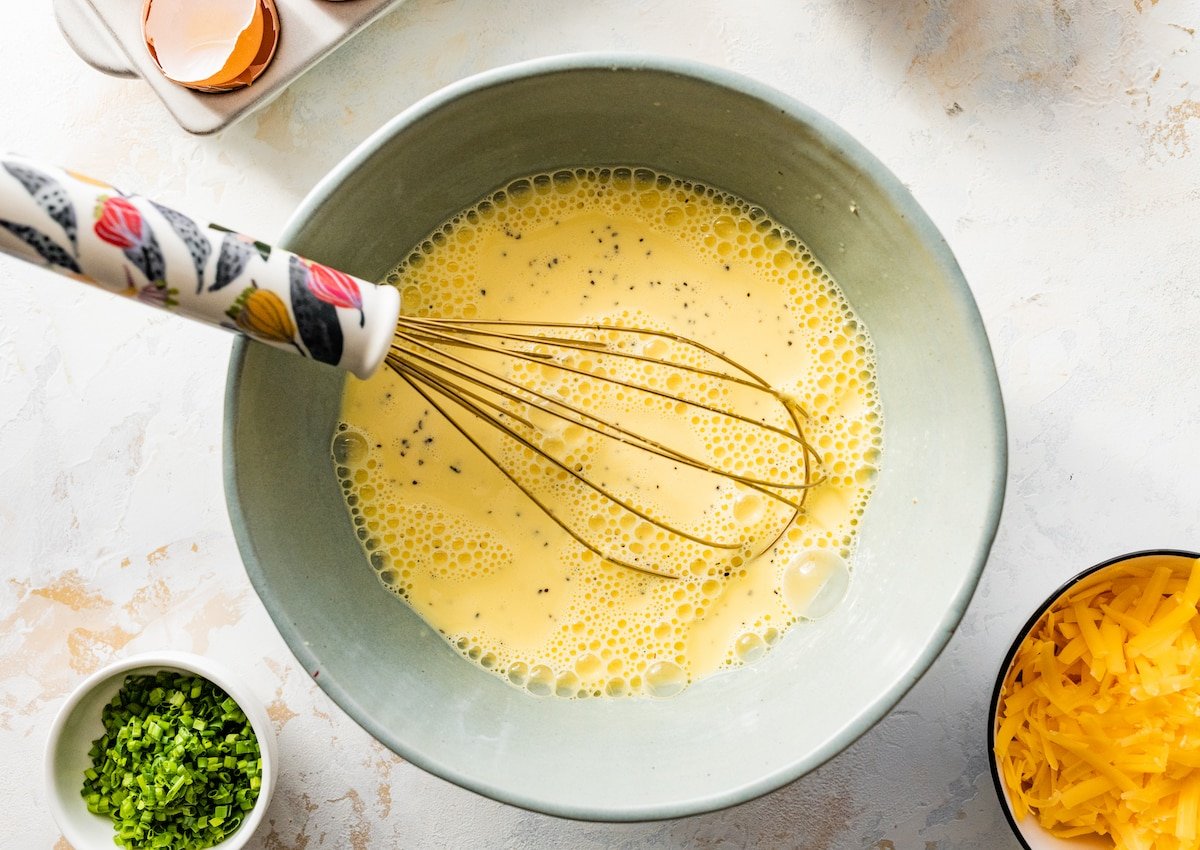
<point x="177" y="765"/>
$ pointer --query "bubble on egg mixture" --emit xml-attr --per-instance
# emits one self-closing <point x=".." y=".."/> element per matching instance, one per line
<point x="665" y="679"/>
<point x="508" y="588"/>
<point x="813" y="583"/>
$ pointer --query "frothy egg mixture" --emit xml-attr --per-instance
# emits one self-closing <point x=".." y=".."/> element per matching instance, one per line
<point x="510" y="589"/>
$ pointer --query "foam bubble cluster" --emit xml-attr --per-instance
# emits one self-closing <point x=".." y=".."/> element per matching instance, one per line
<point x="512" y="591"/>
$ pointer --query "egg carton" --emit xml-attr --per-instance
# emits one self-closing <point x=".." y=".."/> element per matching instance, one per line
<point x="107" y="34"/>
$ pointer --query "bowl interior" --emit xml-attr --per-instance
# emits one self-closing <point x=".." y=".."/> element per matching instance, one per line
<point x="733" y="736"/>
<point x="78" y="725"/>
<point x="1028" y="830"/>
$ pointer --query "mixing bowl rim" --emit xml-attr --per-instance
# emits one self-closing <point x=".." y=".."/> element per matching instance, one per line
<point x="1022" y="633"/>
<point x="906" y="206"/>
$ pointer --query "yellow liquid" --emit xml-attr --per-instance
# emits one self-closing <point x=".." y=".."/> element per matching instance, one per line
<point x="511" y="590"/>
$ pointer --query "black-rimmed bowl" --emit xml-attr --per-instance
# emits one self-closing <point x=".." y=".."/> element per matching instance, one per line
<point x="1028" y="831"/>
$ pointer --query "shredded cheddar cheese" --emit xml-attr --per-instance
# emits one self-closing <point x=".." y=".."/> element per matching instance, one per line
<point x="1098" y="727"/>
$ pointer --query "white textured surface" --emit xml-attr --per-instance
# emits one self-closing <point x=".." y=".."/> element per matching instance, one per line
<point x="1055" y="143"/>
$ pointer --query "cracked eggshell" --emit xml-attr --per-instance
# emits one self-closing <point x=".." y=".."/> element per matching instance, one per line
<point x="211" y="45"/>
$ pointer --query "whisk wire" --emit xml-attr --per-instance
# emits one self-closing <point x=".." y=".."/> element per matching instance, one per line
<point x="472" y="326"/>
<point x="420" y="357"/>
<point x="546" y="509"/>
<point x="633" y="438"/>
<point x="458" y="396"/>
<point x="585" y="419"/>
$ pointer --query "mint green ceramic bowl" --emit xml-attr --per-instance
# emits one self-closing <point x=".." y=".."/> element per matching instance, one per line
<point x="731" y="737"/>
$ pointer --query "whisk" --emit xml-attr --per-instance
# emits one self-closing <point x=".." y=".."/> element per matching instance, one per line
<point x="464" y="369"/>
<point x="583" y="418"/>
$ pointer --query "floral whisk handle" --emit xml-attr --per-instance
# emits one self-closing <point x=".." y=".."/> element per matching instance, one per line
<point x="133" y="246"/>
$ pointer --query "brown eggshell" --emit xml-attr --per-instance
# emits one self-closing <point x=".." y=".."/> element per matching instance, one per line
<point x="229" y="79"/>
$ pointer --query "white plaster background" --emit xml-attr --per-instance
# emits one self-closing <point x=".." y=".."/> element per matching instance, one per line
<point x="1056" y="143"/>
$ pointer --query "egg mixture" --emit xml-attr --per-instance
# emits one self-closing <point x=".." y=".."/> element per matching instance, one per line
<point x="512" y="591"/>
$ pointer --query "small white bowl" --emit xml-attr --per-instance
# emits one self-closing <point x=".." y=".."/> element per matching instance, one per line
<point x="78" y="724"/>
